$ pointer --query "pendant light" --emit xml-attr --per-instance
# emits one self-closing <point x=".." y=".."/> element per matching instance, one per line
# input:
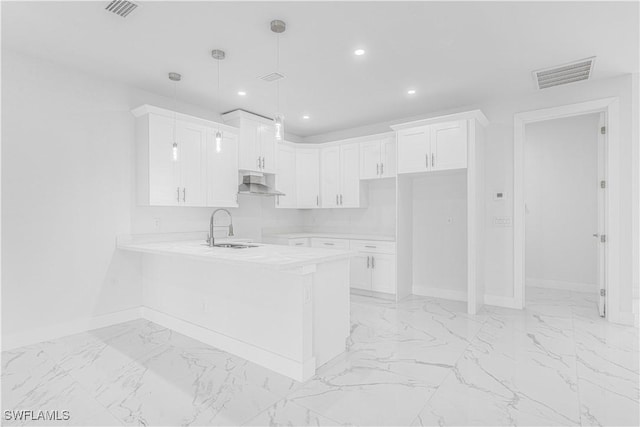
<point x="175" y="78"/>
<point x="218" y="55"/>
<point x="278" y="27"/>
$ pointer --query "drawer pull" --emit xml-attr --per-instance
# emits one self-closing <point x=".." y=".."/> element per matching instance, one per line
<point x="299" y="244"/>
<point x="369" y="246"/>
<point x="330" y="244"/>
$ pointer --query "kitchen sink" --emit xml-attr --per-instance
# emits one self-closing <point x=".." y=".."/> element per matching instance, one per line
<point x="234" y="245"/>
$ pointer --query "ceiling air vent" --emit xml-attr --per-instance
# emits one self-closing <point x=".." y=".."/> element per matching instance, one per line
<point x="564" y="74"/>
<point x="272" y="77"/>
<point x="121" y="7"/>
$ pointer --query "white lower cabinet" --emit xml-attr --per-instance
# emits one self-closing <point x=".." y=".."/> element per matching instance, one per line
<point x="374" y="268"/>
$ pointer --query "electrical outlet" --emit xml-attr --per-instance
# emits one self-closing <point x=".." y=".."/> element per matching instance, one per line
<point x="157" y="224"/>
<point x="502" y="221"/>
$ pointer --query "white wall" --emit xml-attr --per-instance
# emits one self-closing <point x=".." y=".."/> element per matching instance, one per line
<point x="440" y="232"/>
<point x="378" y="218"/>
<point x="561" y="198"/>
<point x="67" y="190"/>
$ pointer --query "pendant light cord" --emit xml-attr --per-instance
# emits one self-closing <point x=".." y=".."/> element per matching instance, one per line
<point x="175" y="106"/>
<point x="278" y="70"/>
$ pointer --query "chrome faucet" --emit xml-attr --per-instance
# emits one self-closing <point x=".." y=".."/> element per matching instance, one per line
<point x="210" y="239"/>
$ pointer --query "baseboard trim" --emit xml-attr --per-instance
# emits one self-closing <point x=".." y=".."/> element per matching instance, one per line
<point x="500" y="301"/>
<point x="300" y="371"/>
<point x="533" y="282"/>
<point x="427" y="291"/>
<point x="64" y="329"/>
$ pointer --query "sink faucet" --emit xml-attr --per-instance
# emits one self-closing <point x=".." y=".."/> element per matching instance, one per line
<point x="210" y="239"/>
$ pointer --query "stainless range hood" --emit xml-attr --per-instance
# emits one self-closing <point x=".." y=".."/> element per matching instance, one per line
<point x="256" y="185"/>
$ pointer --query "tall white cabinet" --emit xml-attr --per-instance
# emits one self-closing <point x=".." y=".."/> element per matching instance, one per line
<point x="340" y="184"/>
<point x="257" y="151"/>
<point x="193" y="173"/>
<point x="440" y="208"/>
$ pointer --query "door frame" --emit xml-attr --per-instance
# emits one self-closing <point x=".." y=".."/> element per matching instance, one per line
<point x="610" y="107"/>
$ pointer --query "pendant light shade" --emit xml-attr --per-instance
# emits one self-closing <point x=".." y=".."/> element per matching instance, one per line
<point x="218" y="55"/>
<point x="175" y="78"/>
<point x="278" y="27"/>
<point x="278" y="124"/>
<point x="218" y="141"/>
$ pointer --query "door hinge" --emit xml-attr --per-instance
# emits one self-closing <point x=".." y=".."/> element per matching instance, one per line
<point x="603" y="130"/>
<point x="603" y="292"/>
<point x="603" y="238"/>
<point x="603" y="184"/>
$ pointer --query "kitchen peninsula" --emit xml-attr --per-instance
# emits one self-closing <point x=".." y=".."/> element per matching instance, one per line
<point x="285" y="308"/>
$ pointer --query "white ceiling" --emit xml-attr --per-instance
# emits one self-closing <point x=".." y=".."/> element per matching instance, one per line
<point x="453" y="54"/>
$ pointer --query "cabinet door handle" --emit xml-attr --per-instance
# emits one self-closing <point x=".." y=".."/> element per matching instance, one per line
<point x="381" y="169"/>
<point x="367" y="261"/>
<point x="299" y="244"/>
<point x="369" y="246"/>
<point x="262" y="162"/>
<point x="184" y="194"/>
<point x="329" y="244"/>
<point x="178" y="193"/>
<point x="278" y="200"/>
<point x="377" y="168"/>
<point x="317" y="200"/>
<point x="426" y="160"/>
<point x="258" y="162"/>
<point x="341" y="200"/>
<point x="373" y="262"/>
<point x="337" y="200"/>
<point x="433" y="162"/>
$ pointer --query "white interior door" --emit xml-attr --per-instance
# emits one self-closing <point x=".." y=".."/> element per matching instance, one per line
<point x="601" y="233"/>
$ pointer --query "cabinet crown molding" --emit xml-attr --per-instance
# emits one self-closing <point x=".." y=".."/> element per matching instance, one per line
<point x="478" y="115"/>
<point x="242" y="114"/>
<point x="151" y="109"/>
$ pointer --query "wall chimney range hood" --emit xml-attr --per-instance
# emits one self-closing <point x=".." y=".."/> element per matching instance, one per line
<point x="256" y="185"/>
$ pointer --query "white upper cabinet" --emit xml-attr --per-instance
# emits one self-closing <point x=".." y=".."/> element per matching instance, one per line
<point x="378" y="158"/>
<point x="186" y="175"/>
<point x="330" y="177"/>
<point x="307" y="178"/>
<point x="449" y="145"/>
<point x="191" y="139"/>
<point x="286" y="176"/>
<point x="222" y="170"/>
<point x="267" y="148"/>
<point x="349" y="194"/>
<point x="257" y="145"/>
<point x="340" y="177"/>
<point x="414" y="150"/>
<point x="433" y="147"/>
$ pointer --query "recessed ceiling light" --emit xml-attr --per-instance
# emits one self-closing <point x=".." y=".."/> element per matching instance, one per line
<point x="411" y="92"/>
<point x="306" y="117"/>
<point x="359" y="52"/>
<point x="242" y="93"/>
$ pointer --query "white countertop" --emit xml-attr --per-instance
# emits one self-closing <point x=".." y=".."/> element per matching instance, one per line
<point x="269" y="256"/>
<point x="306" y="234"/>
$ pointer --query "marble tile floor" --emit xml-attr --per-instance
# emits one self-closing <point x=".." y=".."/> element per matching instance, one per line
<point x="422" y="361"/>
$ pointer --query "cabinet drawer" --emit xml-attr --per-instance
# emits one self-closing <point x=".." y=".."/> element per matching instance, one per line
<point x="329" y="243"/>
<point x="373" y="246"/>
<point x="300" y="241"/>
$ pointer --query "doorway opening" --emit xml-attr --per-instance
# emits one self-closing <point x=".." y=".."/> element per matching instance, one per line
<point x="609" y="199"/>
<point x="564" y="194"/>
